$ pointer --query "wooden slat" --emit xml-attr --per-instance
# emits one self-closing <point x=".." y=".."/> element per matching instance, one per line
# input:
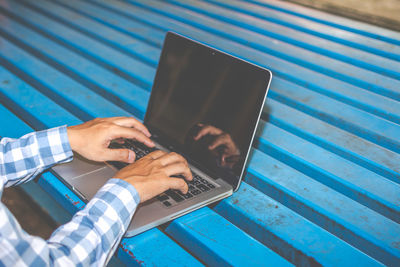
<point x="288" y="35"/>
<point x="285" y="51"/>
<point x="286" y="232"/>
<point x="217" y="242"/>
<point x="335" y="21"/>
<point x="372" y="45"/>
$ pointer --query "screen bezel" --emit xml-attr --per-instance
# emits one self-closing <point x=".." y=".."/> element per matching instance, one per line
<point x="163" y="140"/>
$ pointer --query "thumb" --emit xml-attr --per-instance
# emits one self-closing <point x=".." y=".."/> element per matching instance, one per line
<point x="122" y="154"/>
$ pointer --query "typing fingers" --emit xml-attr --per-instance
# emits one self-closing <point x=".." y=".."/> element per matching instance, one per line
<point x="178" y="168"/>
<point x="131" y="133"/>
<point x="175" y="183"/>
<point x="130" y="122"/>
<point x="171" y="158"/>
<point x="156" y="154"/>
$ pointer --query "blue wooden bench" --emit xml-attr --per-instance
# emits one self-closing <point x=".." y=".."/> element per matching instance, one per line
<point x="323" y="180"/>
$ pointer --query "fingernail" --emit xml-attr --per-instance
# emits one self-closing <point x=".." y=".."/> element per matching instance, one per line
<point x="131" y="157"/>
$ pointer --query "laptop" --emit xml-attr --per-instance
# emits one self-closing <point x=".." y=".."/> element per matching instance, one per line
<point x="204" y="105"/>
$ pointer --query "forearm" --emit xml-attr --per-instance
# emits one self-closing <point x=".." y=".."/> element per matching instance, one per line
<point x="88" y="239"/>
<point x="24" y="158"/>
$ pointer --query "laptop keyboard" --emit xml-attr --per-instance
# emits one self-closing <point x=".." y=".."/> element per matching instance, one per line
<point x="170" y="197"/>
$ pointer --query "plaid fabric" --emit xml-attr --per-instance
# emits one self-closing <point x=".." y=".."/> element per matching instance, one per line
<point x="92" y="235"/>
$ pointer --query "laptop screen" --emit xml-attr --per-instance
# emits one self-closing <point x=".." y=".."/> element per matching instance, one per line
<point x="206" y="104"/>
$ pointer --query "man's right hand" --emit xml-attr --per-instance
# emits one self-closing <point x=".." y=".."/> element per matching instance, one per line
<point x="151" y="175"/>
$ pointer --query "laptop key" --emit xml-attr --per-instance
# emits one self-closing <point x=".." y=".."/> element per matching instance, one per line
<point x="211" y="186"/>
<point x="196" y="182"/>
<point x="167" y="204"/>
<point x="203" y="180"/>
<point x="162" y="197"/>
<point x="195" y="192"/>
<point x="203" y="188"/>
<point x="188" y="195"/>
<point x="174" y="195"/>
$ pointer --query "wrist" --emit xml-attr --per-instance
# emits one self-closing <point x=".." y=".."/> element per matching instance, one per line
<point x="132" y="183"/>
<point x="72" y="137"/>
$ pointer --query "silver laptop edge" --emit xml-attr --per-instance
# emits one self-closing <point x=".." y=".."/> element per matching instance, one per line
<point x="263" y="102"/>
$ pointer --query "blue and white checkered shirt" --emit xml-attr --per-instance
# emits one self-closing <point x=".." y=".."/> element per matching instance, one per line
<point x="93" y="233"/>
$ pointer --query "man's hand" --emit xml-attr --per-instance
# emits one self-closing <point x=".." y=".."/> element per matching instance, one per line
<point x="91" y="139"/>
<point x="151" y="174"/>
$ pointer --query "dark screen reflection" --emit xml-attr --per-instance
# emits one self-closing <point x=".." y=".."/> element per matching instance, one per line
<point x="207" y="104"/>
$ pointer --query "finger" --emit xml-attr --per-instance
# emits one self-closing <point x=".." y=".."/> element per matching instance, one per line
<point x="175" y="183"/>
<point x="123" y="154"/>
<point x="120" y="141"/>
<point x="131" y="122"/>
<point x="172" y="158"/>
<point x="127" y="122"/>
<point x="207" y="130"/>
<point x="110" y="119"/>
<point x="156" y="154"/>
<point x="220" y="140"/>
<point x="179" y="168"/>
<point x="131" y="133"/>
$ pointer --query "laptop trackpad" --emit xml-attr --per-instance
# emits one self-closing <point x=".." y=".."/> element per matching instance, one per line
<point x="89" y="183"/>
<point x="84" y="175"/>
<point x="78" y="166"/>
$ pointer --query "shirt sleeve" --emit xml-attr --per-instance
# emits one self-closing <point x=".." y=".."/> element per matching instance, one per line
<point x="89" y="239"/>
<point x="24" y="158"/>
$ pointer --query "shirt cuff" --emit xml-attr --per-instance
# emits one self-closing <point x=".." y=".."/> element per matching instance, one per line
<point x="121" y="197"/>
<point x="54" y="146"/>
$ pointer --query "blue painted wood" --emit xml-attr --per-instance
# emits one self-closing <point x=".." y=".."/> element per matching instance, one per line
<point x="340" y="142"/>
<point x="31" y="70"/>
<point x="229" y="246"/>
<point x="372" y="45"/>
<point x="20" y="96"/>
<point x="95" y="12"/>
<point x="84" y="71"/>
<point x="52" y="185"/>
<point x="354" y="223"/>
<point x="358" y="27"/>
<point x="110" y="59"/>
<point x="288" y="35"/>
<point x="349" y="120"/>
<point x="286" y="232"/>
<point x="323" y="176"/>
<point x="288" y="52"/>
<point x="247" y="38"/>
<point x="354" y="181"/>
